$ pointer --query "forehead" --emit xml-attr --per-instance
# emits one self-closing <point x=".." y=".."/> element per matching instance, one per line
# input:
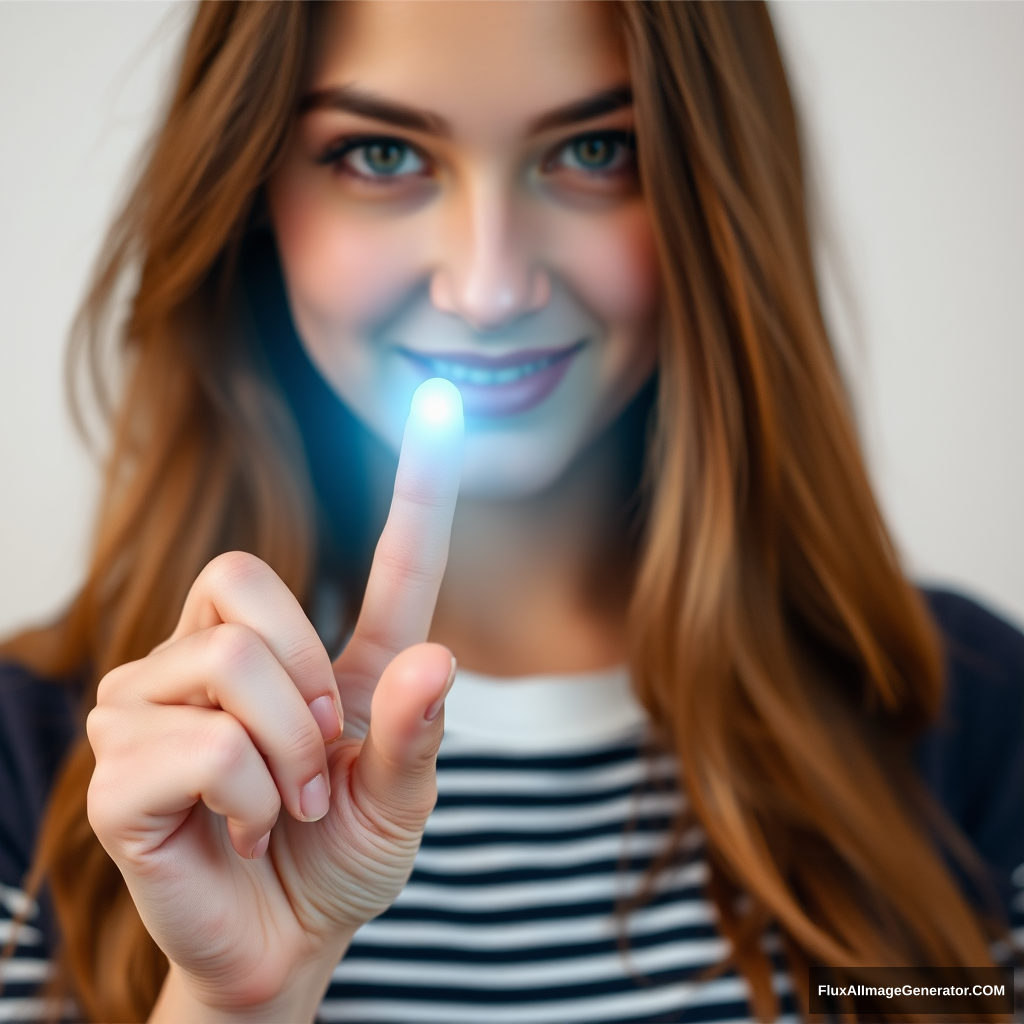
<point x="486" y="67"/>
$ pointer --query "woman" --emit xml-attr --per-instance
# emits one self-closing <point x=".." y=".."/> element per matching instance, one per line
<point x="591" y="219"/>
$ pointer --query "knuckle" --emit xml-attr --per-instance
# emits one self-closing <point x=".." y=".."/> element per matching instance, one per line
<point x="232" y="648"/>
<point x="380" y="640"/>
<point x="407" y="566"/>
<point x="420" y="499"/>
<point x="114" y="683"/>
<point x="301" y="742"/>
<point x="307" y="657"/>
<point x="403" y="809"/>
<point x="224" y="745"/>
<point x="97" y="727"/>
<point x="233" y="569"/>
<point x="102" y="805"/>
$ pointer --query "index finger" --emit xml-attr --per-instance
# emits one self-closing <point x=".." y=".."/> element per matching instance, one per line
<point x="411" y="554"/>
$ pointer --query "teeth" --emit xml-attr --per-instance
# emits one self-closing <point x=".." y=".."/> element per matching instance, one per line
<point x="459" y="372"/>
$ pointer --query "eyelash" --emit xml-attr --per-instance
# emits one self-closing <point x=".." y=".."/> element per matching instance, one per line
<point x="623" y="143"/>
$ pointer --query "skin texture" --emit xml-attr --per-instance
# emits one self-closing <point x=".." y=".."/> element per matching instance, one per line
<point x="255" y="831"/>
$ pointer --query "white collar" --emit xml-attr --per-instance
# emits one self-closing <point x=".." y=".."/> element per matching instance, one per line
<point x="531" y="714"/>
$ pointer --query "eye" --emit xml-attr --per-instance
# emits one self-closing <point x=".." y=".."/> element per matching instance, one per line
<point x="386" y="158"/>
<point x="376" y="158"/>
<point x="595" y="153"/>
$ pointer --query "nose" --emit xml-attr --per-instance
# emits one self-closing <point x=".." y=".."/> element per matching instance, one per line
<point x="486" y="274"/>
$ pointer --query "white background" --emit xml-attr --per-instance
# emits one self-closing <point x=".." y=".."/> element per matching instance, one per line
<point x="915" y="117"/>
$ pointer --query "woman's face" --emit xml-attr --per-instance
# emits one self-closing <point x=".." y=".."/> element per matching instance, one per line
<point x="459" y="198"/>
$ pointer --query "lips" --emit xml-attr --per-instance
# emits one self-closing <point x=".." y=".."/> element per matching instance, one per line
<point x="499" y="386"/>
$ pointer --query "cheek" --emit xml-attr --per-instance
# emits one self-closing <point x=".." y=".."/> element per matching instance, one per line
<point x="345" y="270"/>
<point x="612" y="265"/>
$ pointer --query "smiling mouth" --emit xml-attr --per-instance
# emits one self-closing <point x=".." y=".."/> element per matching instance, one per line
<point x="501" y="386"/>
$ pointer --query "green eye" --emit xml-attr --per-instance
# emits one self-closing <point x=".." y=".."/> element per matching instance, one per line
<point x="598" y="153"/>
<point x="385" y="157"/>
<point x="595" y="152"/>
<point x="378" y="158"/>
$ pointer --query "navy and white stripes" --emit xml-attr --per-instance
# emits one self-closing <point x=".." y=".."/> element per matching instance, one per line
<point x="515" y="909"/>
<point x="22" y="974"/>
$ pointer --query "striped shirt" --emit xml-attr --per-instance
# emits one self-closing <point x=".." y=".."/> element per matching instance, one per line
<point x="549" y="814"/>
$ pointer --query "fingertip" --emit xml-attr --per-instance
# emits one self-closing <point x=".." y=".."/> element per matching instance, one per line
<point x="436" y="407"/>
<point x="412" y="687"/>
<point x="426" y="668"/>
<point x="242" y="842"/>
<point x="261" y="847"/>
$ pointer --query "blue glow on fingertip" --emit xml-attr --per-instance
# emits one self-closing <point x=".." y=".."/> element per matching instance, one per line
<point x="436" y="404"/>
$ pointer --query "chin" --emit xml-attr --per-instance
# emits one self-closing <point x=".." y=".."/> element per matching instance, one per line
<point x="510" y="468"/>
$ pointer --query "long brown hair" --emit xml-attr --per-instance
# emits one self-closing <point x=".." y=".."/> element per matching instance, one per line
<point x="775" y="638"/>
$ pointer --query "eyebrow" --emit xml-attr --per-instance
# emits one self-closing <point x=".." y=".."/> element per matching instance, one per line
<point x="605" y="102"/>
<point x="366" y="104"/>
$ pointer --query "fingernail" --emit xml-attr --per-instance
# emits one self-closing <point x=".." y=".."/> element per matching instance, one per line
<point x="435" y="709"/>
<point x="326" y="715"/>
<point x="314" y="799"/>
<point x="261" y="847"/>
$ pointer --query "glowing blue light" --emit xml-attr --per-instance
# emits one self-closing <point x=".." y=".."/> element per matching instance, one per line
<point x="436" y="404"/>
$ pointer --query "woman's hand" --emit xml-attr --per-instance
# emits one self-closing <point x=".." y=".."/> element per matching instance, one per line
<point x="255" y="831"/>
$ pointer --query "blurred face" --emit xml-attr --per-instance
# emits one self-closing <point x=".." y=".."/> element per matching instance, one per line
<point x="459" y="198"/>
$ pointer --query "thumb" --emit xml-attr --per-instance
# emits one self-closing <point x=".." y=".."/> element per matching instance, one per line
<point x="394" y="772"/>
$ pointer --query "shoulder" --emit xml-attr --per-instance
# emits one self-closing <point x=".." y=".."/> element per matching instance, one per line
<point x="978" y="640"/>
<point x="37" y="725"/>
<point x="972" y="758"/>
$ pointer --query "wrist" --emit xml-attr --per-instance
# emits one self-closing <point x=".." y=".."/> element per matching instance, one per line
<point x="181" y="999"/>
